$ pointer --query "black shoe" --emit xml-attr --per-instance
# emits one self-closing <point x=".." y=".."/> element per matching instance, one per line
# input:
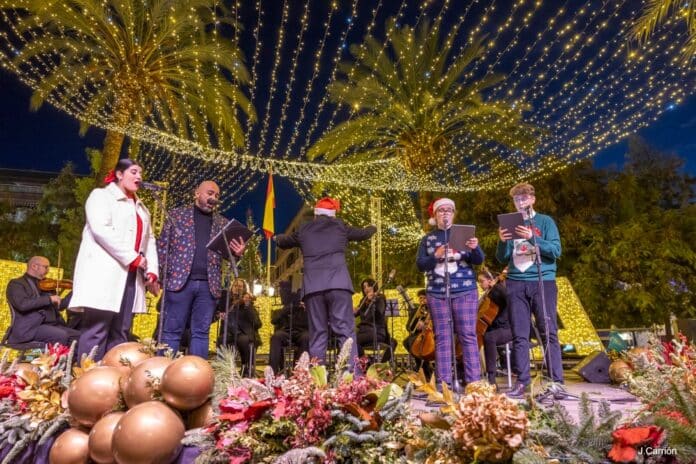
<point x="518" y="391"/>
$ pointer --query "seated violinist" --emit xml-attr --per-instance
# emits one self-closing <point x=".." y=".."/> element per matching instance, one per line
<point x="417" y="320"/>
<point x="291" y="329"/>
<point x="36" y="312"/>
<point x="498" y="332"/>
<point x="372" y="328"/>
<point x="243" y="331"/>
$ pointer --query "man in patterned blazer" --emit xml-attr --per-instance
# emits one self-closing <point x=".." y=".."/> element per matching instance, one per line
<point x="193" y="273"/>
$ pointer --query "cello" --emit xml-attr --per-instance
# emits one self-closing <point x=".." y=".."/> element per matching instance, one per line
<point x="487" y="309"/>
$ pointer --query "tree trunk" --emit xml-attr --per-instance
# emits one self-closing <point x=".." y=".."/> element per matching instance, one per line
<point x="113" y="142"/>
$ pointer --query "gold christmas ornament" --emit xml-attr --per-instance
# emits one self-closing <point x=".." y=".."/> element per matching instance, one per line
<point x="100" y="438"/>
<point x="94" y="394"/>
<point x="70" y="448"/>
<point x="126" y="355"/>
<point x="143" y="380"/>
<point x="200" y="416"/>
<point x="149" y="433"/>
<point x="619" y="371"/>
<point x="187" y="383"/>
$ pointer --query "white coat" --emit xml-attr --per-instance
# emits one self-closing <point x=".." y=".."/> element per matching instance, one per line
<point x="107" y="249"/>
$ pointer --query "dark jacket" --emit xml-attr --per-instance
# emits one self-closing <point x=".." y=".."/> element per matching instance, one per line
<point x="246" y="318"/>
<point x="178" y="241"/>
<point x="372" y="315"/>
<point x="32" y="308"/>
<point x="498" y="295"/>
<point x="323" y="243"/>
<point x="281" y="319"/>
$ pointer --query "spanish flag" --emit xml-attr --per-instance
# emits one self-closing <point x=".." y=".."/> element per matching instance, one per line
<point x="268" y="222"/>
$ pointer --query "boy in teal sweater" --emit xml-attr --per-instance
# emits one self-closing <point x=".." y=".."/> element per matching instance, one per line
<point x="524" y="297"/>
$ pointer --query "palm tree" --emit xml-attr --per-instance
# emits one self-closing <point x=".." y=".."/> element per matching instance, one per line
<point x="133" y="63"/>
<point x="657" y="12"/>
<point x="414" y="101"/>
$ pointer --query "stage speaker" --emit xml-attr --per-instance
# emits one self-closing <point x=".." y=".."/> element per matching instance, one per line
<point x="594" y="368"/>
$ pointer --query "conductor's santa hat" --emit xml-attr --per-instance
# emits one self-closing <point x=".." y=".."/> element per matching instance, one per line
<point x="435" y="205"/>
<point x="327" y="206"/>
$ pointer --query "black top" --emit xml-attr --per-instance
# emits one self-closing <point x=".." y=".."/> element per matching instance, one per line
<point x="244" y="317"/>
<point x="32" y="307"/>
<point x="498" y="295"/>
<point x="202" y="223"/>
<point x="291" y="313"/>
<point x="373" y="314"/>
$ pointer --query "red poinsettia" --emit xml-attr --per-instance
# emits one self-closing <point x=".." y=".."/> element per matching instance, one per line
<point x="58" y="350"/>
<point x="628" y="439"/>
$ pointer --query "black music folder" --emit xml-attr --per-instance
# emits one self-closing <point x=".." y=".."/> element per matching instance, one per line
<point x="459" y="234"/>
<point x="509" y="221"/>
<point x="232" y="230"/>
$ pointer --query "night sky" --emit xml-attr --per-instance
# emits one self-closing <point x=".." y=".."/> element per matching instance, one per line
<point x="47" y="139"/>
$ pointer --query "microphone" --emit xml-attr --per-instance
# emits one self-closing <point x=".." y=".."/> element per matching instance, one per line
<point x="151" y="186"/>
<point x="404" y="295"/>
<point x="528" y="210"/>
<point x="391" y="276"/>
<point x="212" y="202"/>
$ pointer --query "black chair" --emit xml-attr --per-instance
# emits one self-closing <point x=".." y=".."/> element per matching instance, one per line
<point x="21" y="348"/>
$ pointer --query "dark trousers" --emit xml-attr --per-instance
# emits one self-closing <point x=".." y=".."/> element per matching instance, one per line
<point x="367" y="340"/>
<point x="330" y="308"/>
<point x="524" y="300"/>
<point x="280" y="339"/>
<point x="491" y="340"/>
<point x="49" y="333"/>
<point x="106" y="329"/>
<point x="420" y="363"/>
<point x="246" y="347"/>
<point x="193" y="301"/>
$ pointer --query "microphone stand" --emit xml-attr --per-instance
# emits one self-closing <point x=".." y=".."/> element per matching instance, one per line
<point x="165" y="266"/>
<point x="235" y="271"/>
<point x="554" y="390"/>
<point x="450" y="320"/>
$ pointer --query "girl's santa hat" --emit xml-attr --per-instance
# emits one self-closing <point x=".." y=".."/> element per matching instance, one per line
<point x="435" y="205"/>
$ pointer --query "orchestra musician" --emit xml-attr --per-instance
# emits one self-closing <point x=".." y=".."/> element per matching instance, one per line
<point x="244" y="324"/>
<point x="36" y="315"/>
<point x="372" y="328"/>
<point x="432" y="256"/>
<point x="117" y="261"/>
<point x="418" y="318"/>
<point x="498" y="331"/>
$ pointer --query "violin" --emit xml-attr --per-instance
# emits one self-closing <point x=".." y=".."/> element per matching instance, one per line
<point x="487" y="310"/>
<point x="55" y="285"/>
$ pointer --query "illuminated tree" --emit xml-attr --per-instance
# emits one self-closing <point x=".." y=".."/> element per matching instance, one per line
<point x="128" y="62"/>
<point x="415" y="101"/>
<point x="658" y="12"/>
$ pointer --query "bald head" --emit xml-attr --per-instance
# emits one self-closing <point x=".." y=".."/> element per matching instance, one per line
<point x="37" y="266"/>
<point x="207" y="195"/>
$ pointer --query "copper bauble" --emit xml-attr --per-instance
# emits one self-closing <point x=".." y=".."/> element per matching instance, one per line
<point x="200" y="416"/>
<point x="70" y="448"/>
<point x="93" y="394"/>
<point x="187" y="383"/>
<point x="137" y="386"/>
<point x="619" y="371"/>
<point x="130" y="352"/>
<point x="100" y="438"/>
<point x="150" y="433"/>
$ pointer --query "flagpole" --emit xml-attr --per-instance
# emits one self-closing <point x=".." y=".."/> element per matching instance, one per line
<point x="268" y="263"/>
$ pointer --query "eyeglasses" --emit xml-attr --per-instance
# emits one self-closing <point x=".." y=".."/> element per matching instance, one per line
<point x="445" y="211"/>
<point x="521" y="198"/>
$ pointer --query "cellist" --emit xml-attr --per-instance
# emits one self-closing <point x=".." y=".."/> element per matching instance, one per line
<point x="417" y="321"/>
<point x="498" y="332"/>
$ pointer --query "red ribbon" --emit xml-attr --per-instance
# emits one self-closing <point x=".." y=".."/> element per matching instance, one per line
<point x="110" y="177"/>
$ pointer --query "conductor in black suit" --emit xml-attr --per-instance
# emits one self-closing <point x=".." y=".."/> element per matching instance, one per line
<point x="326" y="282"/>
<point x="36" y="314"/>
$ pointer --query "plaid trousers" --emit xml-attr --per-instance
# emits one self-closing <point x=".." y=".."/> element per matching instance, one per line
<point x="465" y="313"/>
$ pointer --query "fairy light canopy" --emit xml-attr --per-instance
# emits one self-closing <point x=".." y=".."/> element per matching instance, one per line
<point x="565" y="70"/>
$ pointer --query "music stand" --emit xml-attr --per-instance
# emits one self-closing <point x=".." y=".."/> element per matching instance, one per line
<point x="392" y="310"/>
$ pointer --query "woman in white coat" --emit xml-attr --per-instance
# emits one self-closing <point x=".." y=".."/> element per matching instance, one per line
<point x="116" y="262"/>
